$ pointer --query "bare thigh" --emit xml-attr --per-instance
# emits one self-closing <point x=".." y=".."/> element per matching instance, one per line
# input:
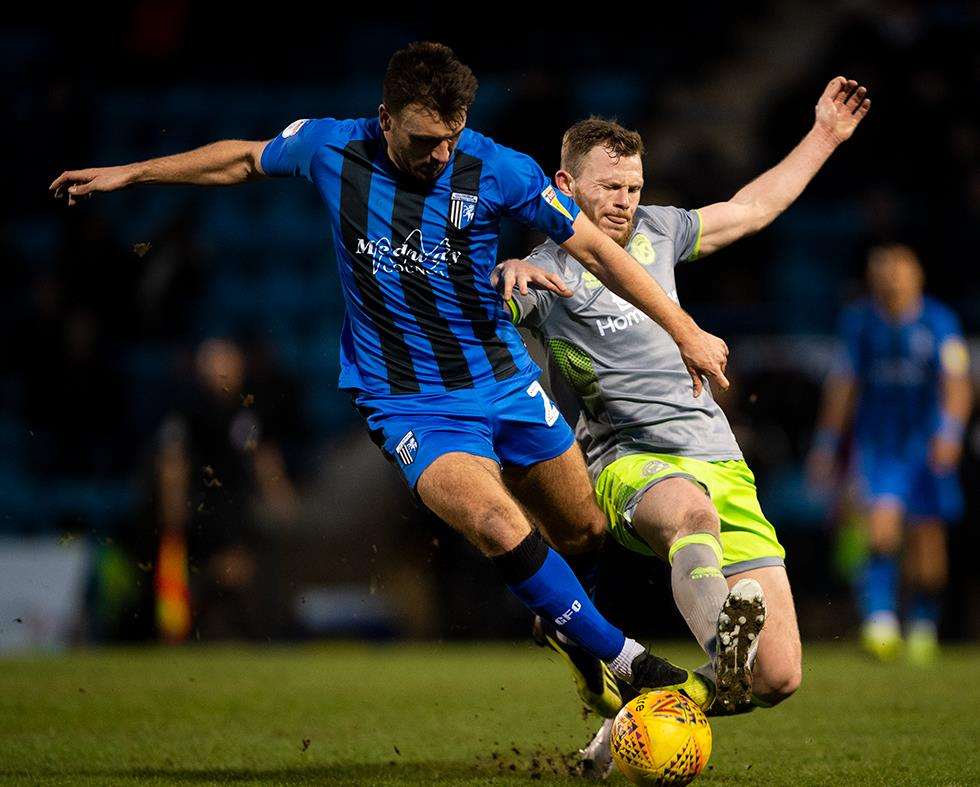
<point x="468" y="493"/>
<point x="559" y="497"/>
<point x="778" y="666"/>
<point x="671" y="509"/>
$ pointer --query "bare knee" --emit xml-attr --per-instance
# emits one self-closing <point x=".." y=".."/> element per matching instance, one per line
<point x="673" y="509"/>
<point x="586" y="535"/>
<point x="885" y="542"/>
<point x="885" y="530"/>
<point x="699" y="520"/>
<point x="495" y="528"/>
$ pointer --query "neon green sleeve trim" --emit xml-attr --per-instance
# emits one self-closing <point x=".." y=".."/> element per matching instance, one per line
<point x="697" y="241"/>
<point x="515" y="311"/>
<point x="695" y="538"/>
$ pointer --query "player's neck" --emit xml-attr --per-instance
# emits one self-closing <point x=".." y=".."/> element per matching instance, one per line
<point x="904" y="309"/>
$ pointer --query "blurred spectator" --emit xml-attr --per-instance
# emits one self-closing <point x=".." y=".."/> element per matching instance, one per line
<point x="217" y="456"/>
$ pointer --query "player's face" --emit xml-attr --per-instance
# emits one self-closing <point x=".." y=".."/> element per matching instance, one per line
<point x="220" y="367"/>
<point x="420" y="143"/>
<point x="895" y="279"/>
<point x="607" y="188"/>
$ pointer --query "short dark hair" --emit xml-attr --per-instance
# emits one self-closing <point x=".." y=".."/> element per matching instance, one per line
<point x="586" y="134"/>
<point x="429" y="74"/>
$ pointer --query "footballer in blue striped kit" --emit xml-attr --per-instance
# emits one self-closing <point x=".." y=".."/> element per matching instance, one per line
<point x="414" y="201"/>
<point x="901" y="391"/>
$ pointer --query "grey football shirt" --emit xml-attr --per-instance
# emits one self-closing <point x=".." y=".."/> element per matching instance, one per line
<point x="632" y="389"/>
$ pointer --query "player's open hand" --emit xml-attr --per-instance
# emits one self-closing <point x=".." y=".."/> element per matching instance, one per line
<point x="524" y="275"/>
<point x="841" y="107"/>
<point x="704" y="354"/>
<point x="76" y="183"/>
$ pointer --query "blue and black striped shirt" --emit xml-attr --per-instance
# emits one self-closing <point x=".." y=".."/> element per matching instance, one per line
<point x="899" y="365"/>
<point x="415" y="261"/>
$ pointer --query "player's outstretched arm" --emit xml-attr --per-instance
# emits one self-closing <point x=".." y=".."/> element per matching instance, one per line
<point x="219" y="164"/>
<point x="839" y="110"/>
<point x="613" y="266"/>
<point x="839" y="400"/>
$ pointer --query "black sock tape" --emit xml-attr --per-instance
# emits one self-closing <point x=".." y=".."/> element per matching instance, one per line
<point x="523" y="561"/>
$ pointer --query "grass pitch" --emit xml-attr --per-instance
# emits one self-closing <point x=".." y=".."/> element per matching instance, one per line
<point x="449" y="714"/>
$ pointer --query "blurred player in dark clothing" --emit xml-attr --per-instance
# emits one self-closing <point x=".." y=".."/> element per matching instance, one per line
<point x="217" y="456"/>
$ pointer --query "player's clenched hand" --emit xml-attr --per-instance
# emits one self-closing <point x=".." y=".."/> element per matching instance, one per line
<point x="704" y="354"/>
<point x="77" y="183"/>
<point x="842" y="106"/>
<point x="944" y="455"/>
<point x="524" y="275"/>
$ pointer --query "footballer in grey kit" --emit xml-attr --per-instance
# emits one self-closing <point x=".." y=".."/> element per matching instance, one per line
<point x="667" y="469"/>
<point x="633" y="389"/>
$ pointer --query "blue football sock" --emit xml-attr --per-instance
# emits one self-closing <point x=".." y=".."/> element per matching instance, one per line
<point x="925" y="608"/>
<point x="878" y="586"/>
<point x="540" y="578"/>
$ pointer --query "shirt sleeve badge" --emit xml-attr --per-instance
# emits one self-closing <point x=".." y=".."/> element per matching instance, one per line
<point x="549" y="196"/>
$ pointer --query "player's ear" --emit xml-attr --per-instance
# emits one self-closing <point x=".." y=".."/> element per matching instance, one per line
<point x="384" y="117"/>
<point x="565" y="181"/>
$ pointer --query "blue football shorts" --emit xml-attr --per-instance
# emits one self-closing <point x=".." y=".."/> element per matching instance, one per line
<point x="513" y="422"/>
<point x="911" y="482"/>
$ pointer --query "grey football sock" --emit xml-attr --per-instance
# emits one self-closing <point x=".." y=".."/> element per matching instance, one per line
<point x="699" y="586"/>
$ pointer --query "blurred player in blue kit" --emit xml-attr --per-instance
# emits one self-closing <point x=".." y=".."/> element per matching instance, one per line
<point x="903" y="379"/>
<point x="441" y="377"/>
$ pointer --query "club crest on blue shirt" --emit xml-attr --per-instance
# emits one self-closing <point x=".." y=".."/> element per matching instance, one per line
<point x="406" y="449"/>
<point x="462" y="209"/>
